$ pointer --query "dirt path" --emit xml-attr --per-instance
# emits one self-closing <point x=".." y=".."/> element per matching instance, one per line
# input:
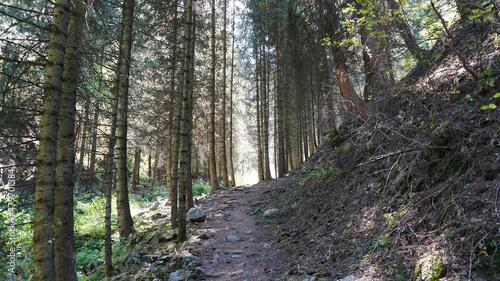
<point x="238" y="247"/>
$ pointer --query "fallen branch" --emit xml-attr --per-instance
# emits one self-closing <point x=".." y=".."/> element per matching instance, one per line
<point x="380" y="157"/>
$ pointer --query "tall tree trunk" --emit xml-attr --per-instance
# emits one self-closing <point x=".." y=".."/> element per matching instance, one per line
<point x="265" y="107"/>
<point x="189" y="183"/>
<point x="223" y="152"/>
<point x="43" y="247"/>
<point x="64" y="236"/>
<point x="172" y="153"/>
<point x="260" y="168"/>
<point x="110" y="163"/>
<point x="150" y="168"/>
<point x="108" y="180"/>
<point x="231" y="88"/>
<point x="186" y="120"/>
<point x="93" y="149"/>
<point x="404" y="29"/>
<point x="213" y="169"/>
<point x="279" y="113"/>
<point x="125" y="222"/>
<point x="84" y="127"/>
<point x="377" y="82"/>
<point x="137" y="168"/>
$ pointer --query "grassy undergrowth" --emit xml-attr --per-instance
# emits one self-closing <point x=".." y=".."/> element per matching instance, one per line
<point x="89" y="229"/>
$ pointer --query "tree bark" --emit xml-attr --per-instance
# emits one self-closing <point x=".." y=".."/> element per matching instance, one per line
<point x="137" y="167"/>
<point x="265" y="107"/>
<point x="43" y="247"/>
<point x="260" y="166"/>
<point x="223" y="152"/>
<point x="213" y="168"/>
<point x="186" y="120"/>
<point x="93" y="149"/>
<point x="189" y="183"/>
<point x="125" y="222"/>
<point x="405" y="30"/>
<point x="79" y="175"/>
<point x="64" y="237"/>
<point x="231" y="164"/>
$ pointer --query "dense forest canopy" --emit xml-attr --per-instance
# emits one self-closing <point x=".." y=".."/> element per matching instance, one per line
<point x="117" y="100"/>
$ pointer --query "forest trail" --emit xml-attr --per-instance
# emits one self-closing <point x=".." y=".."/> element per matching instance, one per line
<point x="240" y="246"/>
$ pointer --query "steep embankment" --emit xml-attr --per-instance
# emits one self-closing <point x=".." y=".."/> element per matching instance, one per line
<point x="413" y="194"/>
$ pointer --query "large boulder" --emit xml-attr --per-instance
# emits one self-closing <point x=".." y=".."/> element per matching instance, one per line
<point x="271" y="213"/>
<point x="196" y="215"/>
<point x="186" y="260"/>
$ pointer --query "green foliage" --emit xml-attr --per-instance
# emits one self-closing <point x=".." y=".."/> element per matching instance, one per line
<point x="317" y="174"/>
<point x="201" y="187"/>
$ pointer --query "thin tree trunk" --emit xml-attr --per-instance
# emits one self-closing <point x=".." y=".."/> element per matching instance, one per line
<point x="279" y="113"/>
<point x="43" y="247"/>
<point x="125" y="222"/>
<point x="64" y="236"/>
<point x="173" y="128"/>
<point x="186" y="120"/>
<point x="189" y="182"/>
<point x="93" y="150"/>
<point x="265" y="107"/>
<point x="404" y="29"/>
<point x="260" y="168"/>
<point x="79" y="175"/>
<point x="110" y="163"/>
<point x="231" y="164"/>
<point x="213" y="169"/>
<point x="137" y="167"/>
<point x="150" y="168"/>
<point x="223" y="152"/>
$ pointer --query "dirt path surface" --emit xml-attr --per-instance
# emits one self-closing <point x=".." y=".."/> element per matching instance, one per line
<point x="239" y="247"/>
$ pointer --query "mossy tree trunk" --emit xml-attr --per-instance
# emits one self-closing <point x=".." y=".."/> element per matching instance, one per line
<point x="64" y="236"/>
<point x="43" y="246"/>
<point x="125" y="222"/>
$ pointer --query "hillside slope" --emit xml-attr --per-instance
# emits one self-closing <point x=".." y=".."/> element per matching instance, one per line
<point x="411" y="195"/>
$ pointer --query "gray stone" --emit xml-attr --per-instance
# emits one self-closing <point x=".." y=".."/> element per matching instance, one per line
<point x="241" y="264"/>
<point x="266" y="246"/>
<point x="216" y="275"/>
<point x="196" y="215"/>
<point x="353" y="267"/>
<point x="262" y="258"/>
<point x="348" y="278"/>
<point x="204" y="236"/>
<point x="186" y="260"/>
<point x="232" y="238"/>
<point x="257" y="203"/>
<point x="166" y="258"/>
<point x="130" y="257"/>
<point x="175" y="276"/>
<point x="237" y="252"/>
<point x="154" y="206"/>
<point x="152" y="269"/>
<point x="149" y="258"/>
<point x="236" y="256"/>
<point x="237" y="272"/>
<point x="199" y="272"/>
<point x="271" y="213"/>
<point x="215" y="260"/>
<point x="90" y="267"/>
<point x="227" y="215"/>
<point x="229" y="260"/>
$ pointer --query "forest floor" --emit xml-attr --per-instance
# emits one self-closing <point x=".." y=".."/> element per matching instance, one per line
<point x="241" y="243"/>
